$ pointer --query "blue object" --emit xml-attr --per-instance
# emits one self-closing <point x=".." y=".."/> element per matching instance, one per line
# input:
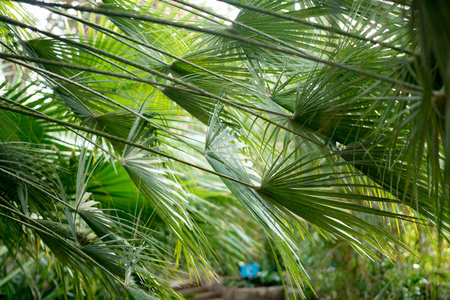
<point x="249" y="270"/>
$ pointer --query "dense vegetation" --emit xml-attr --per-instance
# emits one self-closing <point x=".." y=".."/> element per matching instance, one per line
<point x="140" y="140"/>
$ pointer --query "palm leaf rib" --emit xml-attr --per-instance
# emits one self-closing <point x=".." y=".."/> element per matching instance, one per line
<point x="111" y="137"/>
<point x="109" y="12"/>
<point x="145" y="141"/>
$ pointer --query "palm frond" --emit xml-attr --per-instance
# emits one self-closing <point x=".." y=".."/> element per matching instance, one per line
<point x="161" y="116"/>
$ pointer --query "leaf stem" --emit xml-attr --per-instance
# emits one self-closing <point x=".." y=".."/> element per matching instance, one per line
<point x="227" y="35"/>
<point x="318" y="26"/>
<point x="154" y="83"/>
<point x="120" y="140"/>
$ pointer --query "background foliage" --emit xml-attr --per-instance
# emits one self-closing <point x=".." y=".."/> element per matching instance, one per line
<point x="141" y="140"/>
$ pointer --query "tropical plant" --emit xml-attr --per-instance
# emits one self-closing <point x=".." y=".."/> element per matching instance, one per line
<point x="145" y="138"/>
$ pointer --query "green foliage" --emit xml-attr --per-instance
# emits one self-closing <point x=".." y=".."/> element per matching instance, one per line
<point x="338" y="273"/>
<point x="145" y="139"/>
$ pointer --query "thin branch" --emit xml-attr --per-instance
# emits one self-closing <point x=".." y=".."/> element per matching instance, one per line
<point x="270" y="121"/>
<point x="318" y="26"/>
<point x="200" y="91"/>
<point x="68" y="128"/>
<point x="12" y="57"/>
<point x="120" y="140"/>
<point x="239" y="24"/>
<point x="30" y="223"/>
<point x="227" y="35"/>
<point x="153" y="83"/>
<point x="39" y="70"/>
<point x="113" y="33"/>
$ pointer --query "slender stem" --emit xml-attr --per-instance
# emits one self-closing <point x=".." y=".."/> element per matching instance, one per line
<point x="227" y="35"/>
<point x="270" y="121"/>
<point x="39" y="70"/>
<point x="28" y="222"/>
<point x="203" y="93"/>
<point x="194" y="12"/>
<point x="151" y="71"/>
<point x="234" y="104"/>
<point x="239" y="24"/>
<point x="68" y="128"/>
<point x="318" y="26"/>
<point x="12" y="57"/>
<point x="120" y="140"/>
<point x="26" y="181"/>
<point x="113" y="33"/>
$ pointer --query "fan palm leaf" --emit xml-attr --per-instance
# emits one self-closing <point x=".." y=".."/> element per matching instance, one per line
<point x="299" y="112"/>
